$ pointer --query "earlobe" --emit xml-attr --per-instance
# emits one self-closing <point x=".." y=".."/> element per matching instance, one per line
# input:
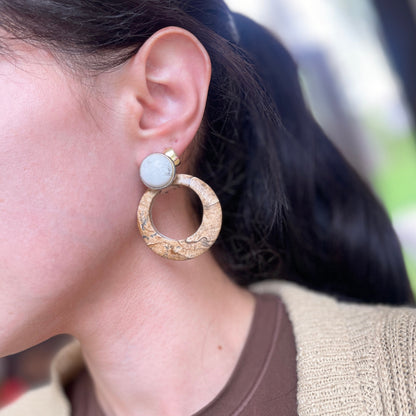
<point x="169" y="77"/>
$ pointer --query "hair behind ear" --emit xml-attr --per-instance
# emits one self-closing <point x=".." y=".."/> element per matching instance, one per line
<point x="328" y="231"/>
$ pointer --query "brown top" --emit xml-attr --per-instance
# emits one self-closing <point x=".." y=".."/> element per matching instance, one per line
<point x="263" y="382"/>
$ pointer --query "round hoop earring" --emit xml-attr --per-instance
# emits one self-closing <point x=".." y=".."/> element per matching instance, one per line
<point x="158" y="171"/>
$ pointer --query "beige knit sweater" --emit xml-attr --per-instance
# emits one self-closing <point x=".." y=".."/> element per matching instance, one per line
<point x="351" y="359"/>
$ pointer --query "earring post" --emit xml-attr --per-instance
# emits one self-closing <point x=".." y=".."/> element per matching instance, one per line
<point x="170" y="153"/>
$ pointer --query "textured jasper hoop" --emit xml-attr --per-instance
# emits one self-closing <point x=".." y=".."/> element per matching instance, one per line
<point x="197" y="243"/>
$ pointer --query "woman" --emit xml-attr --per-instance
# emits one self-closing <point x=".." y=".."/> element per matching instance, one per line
<point x="89" y="91"/>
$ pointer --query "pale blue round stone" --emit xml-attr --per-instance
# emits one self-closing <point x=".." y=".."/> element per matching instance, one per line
<point x="157" y="171"/>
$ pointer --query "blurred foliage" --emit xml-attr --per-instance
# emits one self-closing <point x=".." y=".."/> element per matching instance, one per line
<point x="411" y="268"/>
<point x="396" y="181"/>
<point x="395" y="178"/>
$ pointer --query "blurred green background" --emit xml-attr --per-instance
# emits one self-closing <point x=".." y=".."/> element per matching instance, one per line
<point x="395" y="180"/>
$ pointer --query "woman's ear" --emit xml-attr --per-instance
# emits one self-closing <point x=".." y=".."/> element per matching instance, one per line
<point x="167" y="84"/>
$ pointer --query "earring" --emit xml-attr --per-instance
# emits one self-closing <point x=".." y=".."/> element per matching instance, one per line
<point x="158" y="171"/>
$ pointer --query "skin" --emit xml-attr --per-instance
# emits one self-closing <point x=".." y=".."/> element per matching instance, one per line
<point x="71" y="258"/>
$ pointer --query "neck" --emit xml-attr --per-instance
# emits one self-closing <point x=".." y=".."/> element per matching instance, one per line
<point x="163" y="337"/>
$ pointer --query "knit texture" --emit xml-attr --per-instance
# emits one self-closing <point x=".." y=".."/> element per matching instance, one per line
<point x="351" y="359"/>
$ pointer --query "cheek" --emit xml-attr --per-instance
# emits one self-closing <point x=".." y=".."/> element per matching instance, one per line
<point x="60" y="206"/>
<point x="68" y="196"/>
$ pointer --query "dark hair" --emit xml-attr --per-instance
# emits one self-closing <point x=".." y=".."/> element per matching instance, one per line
<point x="293" y="208"/>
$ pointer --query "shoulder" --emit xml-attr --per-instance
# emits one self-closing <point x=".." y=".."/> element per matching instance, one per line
<point x="306" y="305"/>
<point x="363" y="357"/>
<point x="43" y="400"/>
<point x="50" y="400"/>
